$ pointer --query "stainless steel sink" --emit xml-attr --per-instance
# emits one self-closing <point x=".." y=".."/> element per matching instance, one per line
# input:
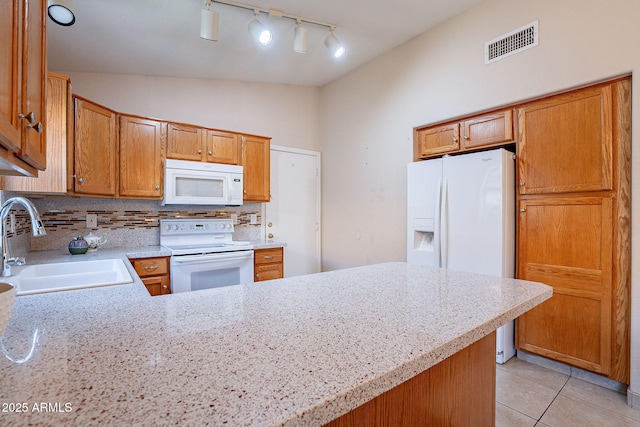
<point x="41" y="278"/>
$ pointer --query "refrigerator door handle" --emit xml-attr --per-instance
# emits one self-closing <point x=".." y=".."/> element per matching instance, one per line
<point x="444" y="224"/>
<point x="436" y="226"/>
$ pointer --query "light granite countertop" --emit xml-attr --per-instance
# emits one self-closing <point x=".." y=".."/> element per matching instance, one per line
<point x="297" y="351"/>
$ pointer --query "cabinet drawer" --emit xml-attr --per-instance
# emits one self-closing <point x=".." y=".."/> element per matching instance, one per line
<point x="265" y="256"/>
<point x="157" y="285"/>
<point x="146" y="267"/>
<point x="268" y="272"/>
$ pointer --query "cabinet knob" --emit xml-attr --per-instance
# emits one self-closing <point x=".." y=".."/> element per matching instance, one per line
<point x="210" y="153"/>
<point x="244" y="191"/>
<point x="157" y="187"/>
<point x="258" y="275"/>
<point x="455" y="139"/>
<point x="466" y="137"/>
<point x="199" y="151"/>
<point x="81" y="180"/>
<point x="522" y="210"/>
<point x="521" y="183"/>
<point x="30" y="117"/>
<point x="165" y="287"/>
<point x="37" y="127"/>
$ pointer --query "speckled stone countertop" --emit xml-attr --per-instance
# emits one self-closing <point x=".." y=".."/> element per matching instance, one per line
<point x="297" y="351"/>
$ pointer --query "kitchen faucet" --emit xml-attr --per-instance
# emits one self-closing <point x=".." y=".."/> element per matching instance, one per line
<point x="37" y="228"/>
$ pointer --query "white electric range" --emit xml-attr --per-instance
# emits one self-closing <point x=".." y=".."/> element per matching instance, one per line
<point x="204" y="254"/>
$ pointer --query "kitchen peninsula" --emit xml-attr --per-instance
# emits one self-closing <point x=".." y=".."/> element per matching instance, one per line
<point x="297" y="351"/>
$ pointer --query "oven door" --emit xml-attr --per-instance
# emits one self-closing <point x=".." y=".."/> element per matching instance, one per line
<point x="196" y="272"/>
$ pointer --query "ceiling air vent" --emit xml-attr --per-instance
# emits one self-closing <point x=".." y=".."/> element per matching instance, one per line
<point x="511" y="43"/>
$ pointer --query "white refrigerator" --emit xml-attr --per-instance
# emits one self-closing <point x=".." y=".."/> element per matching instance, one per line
<point x="461" y="216"/>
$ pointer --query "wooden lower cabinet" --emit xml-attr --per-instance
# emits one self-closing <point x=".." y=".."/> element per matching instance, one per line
<point x="566" y="242"/>
<point x="268" y="264"/>
<point x="154" y="273"/>
<point x="459" y="391"/>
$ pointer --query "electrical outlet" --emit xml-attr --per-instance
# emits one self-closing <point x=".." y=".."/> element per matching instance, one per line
<point x="234" y="218"/>
<point x="12" y="223"/>
<point x="92" y="220"/>
<point x="254" y="218"/>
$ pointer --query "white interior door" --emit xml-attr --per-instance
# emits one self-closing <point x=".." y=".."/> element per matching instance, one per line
<point x="293" y="214"/>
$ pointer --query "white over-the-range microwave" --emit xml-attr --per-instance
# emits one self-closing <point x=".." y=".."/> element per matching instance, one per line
<point x="201" y="183"/>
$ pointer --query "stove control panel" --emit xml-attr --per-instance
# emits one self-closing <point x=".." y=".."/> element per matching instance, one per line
<point x="196" y="226"/>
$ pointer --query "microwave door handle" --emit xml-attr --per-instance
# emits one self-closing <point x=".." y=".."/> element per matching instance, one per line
<point x="199" y="259"/>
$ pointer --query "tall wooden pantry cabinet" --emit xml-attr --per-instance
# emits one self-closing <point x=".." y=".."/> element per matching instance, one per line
<point x="574" y="153"/>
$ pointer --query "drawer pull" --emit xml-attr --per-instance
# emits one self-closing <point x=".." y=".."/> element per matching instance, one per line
<point x="268" y="257"/>
<point x="151" y="267"/>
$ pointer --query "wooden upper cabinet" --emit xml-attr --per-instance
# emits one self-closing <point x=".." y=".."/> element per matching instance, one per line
<point x="95" y="149"/>
<point x="566" y="143"/>
<point x="34" y="78"/>
<point x="222" y="147"/>
<point x="491" y="129"/>
<point x="22" y="91"/>
<point x="255" y="159"/>
<point x="59" y="125"/>
<point x="11" y="36"/>
<point x="142" y="144"/>
<point x="437" y="140"/>
<point x="488" y="130"/>
<point x="184" y="142"/>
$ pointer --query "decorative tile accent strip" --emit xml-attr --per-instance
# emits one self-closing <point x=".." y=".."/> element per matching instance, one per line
<point x="125" y="222"/>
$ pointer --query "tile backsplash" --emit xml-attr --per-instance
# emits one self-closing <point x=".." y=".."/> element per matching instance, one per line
<point x="125" y="223"/>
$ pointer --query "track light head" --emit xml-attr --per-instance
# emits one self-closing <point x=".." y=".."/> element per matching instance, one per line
<point x="259" y="31"/>
<point x="333" y="44"/>
<point x="61" y="12"/>
<point x="209" y="25"/>
<point x="300" y="38"/>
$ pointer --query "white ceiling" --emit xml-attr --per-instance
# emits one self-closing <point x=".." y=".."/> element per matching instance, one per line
<point x="162" y="38"/>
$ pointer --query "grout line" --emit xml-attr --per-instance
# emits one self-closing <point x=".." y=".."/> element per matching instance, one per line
<point x="553" y="400"/>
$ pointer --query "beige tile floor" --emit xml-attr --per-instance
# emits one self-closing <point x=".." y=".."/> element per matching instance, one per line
<point x="530" y="395"/>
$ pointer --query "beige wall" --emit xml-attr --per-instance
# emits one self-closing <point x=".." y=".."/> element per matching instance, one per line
<point x="289" y="114"/>
<point x="369" y="114"/>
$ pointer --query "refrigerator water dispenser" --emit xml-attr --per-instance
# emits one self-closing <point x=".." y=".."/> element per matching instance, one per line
<point x="423" y="234"/>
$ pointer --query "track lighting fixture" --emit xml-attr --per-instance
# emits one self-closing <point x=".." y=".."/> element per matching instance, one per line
<point x="61" y="12"/>
<point x="209" y="23"/>
<point x="259" y="31"/>
<point x="333" y="44"/>
<point x="300" y="38"/>
<point x="264" y="35"/>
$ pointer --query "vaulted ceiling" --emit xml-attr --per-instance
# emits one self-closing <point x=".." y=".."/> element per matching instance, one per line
<point x="162" y="38"/>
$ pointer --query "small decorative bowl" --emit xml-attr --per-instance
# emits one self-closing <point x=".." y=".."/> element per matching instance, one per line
<point x="7" y="298"/>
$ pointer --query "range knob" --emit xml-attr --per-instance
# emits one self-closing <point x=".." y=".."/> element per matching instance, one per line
<point x="167" y="227"/>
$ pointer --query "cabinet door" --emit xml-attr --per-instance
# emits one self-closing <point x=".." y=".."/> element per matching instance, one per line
<point x="33" y="148"/>
<point x="184" y="142"/>
<point x="488" y="130"/>
<point x="222" y="147"/>
<point x="10" y="34"/>
<point x="567" y="244"/>
<point x="141" y="148"/>
<point x="95" y="149"/>
<point x="569" y="130"/>
<point x="59" y="118"/>
<point x="157" y="285"/>
<point x="437" y="140"/>
<point x="255" y="159"/>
